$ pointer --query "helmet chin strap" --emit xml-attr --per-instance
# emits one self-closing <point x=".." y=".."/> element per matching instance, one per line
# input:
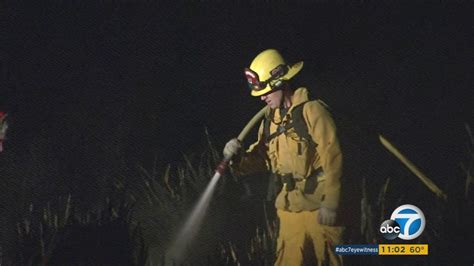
<point x="286" y="99"/>
<point x="283" y="108"/>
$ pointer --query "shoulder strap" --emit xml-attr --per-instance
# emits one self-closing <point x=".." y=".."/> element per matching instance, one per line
<point x="299" y="124"/>
<point x="280" y="129"/>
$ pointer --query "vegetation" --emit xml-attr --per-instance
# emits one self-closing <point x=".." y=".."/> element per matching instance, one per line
<point x="144" y="211"/>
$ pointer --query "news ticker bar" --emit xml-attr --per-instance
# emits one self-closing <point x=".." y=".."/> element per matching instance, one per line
<point x="383" y="249"/>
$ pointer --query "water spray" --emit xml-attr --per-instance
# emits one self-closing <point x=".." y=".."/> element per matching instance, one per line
<point x="190" y="229"/>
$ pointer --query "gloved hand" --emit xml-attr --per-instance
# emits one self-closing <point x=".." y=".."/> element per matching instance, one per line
<point x="232" y="148"/>
<point x="327" y="216"/>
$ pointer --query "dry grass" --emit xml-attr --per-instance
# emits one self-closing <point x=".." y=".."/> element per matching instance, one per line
<point x="428" y="182"/>
<point x="153" y="209"/>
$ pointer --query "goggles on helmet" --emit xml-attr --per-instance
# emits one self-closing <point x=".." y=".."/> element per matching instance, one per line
<point x="274" y="82"/>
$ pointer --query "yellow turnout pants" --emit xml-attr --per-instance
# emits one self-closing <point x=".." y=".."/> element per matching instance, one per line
<point x="300" y="229"/>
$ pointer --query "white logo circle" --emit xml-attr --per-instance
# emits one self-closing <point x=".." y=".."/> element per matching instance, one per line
<point x="411" y="220"/>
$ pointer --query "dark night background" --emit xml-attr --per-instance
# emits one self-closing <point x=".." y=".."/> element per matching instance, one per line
<point x="90" y="86"/>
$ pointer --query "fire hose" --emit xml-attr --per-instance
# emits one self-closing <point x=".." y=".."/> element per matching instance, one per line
<point x="257" y="117"/>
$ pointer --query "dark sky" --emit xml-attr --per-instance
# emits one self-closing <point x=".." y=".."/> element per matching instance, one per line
<point x="85" y="82"/>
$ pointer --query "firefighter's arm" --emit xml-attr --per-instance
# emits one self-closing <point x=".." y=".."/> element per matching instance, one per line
<point x="323" y="131"/>
<point x="254" y="160"/>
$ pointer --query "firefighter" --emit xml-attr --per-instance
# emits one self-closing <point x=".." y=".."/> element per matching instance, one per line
<point x="297" y="143"/>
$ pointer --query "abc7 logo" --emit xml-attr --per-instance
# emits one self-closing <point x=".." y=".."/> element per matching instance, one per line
<point x="407" y="222"/>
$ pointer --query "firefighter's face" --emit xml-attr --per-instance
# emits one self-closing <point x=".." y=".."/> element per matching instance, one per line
<point x="273" y="99"/>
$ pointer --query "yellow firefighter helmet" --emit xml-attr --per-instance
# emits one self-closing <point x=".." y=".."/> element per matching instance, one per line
<point x="268" y="71"/>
